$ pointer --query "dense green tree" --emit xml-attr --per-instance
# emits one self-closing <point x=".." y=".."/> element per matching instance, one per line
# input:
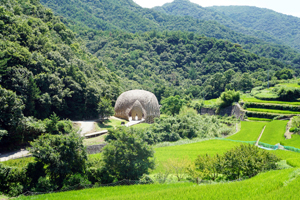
<point x="127" y="156"/>
<point x="228" y="97"/>
<point x="61" y="155"/>
<point x="172" y="105"/>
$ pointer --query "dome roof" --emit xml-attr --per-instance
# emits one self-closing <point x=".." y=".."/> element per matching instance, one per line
<point x="145" y="99"/>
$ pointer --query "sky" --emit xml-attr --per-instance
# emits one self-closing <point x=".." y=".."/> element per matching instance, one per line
<point x="289" y="7"/>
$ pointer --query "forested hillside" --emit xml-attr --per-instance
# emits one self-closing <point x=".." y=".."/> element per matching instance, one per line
<point x="128" y="16"/>
<point x="43" y="63"/>
<point x="180" y="62"/>
<point x="187" y="8"/>
<point x="284" y="27"/>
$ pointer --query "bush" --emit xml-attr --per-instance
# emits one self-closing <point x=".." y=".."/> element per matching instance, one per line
<point x="76" y="180"/>
<point x="243" y="161"/>
<point x="288" y="94"/>
<point x="228" y="97"/>
<point x="44" y="185"/>
<point x="99" y="175"/>
<point x="246" y="161"/>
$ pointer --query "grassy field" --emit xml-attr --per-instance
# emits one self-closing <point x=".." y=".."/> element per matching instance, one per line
<point x="109" y="123"/>
<point x="259" y="119"/>
<point x="254" y="100"/>
<point x="289" y="85"/>
<point x="94" y="140"/>
<point x="190" y="151"/>
<point x="21" y="162"/>
<point x="2" y="197"/>
<point x="250" y="131"/>
<point x="266" y="93"/>
<point x="141" y="126"/>
<point x="263" y="186"/>
<point x="277" y="184"/>
<point x="273" y="111"/>
<point x="294" y="142"/>
<point x="274" y="132"/>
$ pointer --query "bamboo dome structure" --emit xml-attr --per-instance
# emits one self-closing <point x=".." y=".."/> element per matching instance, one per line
<point x="140" y="103"/>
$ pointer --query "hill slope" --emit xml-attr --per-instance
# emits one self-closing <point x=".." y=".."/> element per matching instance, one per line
<point x="284" y="27"/>
<point x="128" y="16"/>
<point x="43" y="63"/>
<point x="187" y="8"/>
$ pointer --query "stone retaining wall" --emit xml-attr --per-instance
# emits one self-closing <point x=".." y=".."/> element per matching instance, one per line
<point x="230" y="111"/>
<point x="95" y="148"/>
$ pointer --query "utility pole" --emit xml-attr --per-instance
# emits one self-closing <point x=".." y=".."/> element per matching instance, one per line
<point x="268" y="77"/>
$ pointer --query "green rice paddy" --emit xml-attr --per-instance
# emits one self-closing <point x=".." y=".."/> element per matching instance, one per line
<point x="274" y="132"/>
<point x="287" y="112"/>
<point x="254" y="100"/>
<point x="259" y="119"/>
<point x="250" y="131"/>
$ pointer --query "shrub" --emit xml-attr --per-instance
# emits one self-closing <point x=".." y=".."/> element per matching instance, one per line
<point x="146" y="179"/>
<point x="99" y="175"/>
<point x="228" y="97"/>
<point x="76" y="180"/>
<point x="44" y="185"/>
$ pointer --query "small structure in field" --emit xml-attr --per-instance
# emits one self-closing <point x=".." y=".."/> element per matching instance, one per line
<point x="137" y="104"/>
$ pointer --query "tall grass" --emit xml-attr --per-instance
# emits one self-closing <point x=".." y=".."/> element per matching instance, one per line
<point x="293" y="142"/>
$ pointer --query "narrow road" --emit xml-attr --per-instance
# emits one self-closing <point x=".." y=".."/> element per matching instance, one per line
<point x="13" y="155"/>
<point x="86" y="126"/>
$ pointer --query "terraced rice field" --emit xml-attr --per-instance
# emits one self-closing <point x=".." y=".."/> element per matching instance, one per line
<point x="285" y="112"/>
<point x="274" y="132"/>
<point x="250" y="131"/>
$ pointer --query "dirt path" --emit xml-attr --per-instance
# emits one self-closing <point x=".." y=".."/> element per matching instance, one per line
<point x="256" y="144"/>
<point x="288" y="134"/>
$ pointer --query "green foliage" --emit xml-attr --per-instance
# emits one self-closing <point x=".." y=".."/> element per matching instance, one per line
<point x="274" y="106"/>
<point x="247" y="161"/>
<point x="127" y="156"/>
<point x="172" y="105"/>
<point x="210" y="166"/>
<point x="267" y="21"/>
<point x="295" y="124"/>
<point x="288" y="94"/>
<point x="10" y="179"/>
<point x="188" y="126"/>
<point x="76" y="180"/>
<point x="101" y="15"/>
<point x="228" y="97"/>
<point x="45" y="65"/>
<point x="61" y="155"/>
<point x="284" y="74"/>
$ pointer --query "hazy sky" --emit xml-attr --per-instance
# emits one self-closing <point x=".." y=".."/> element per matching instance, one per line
<point x="290" y="7"/>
